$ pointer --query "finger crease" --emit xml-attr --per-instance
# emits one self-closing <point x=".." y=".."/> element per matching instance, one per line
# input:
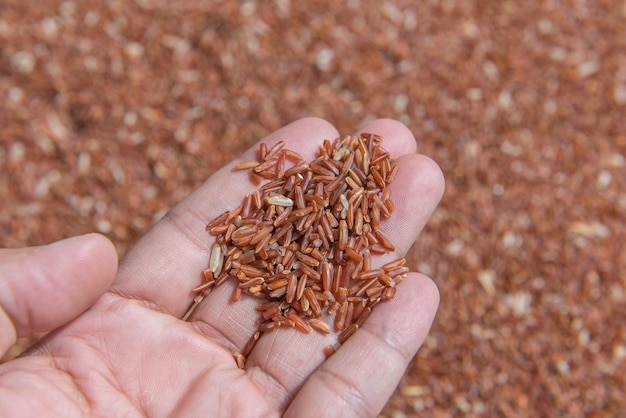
<point x="280" y="401"/>
<point x="208" y="331"/>
<point x="345" y="390"/>
<point x="387" y="338"/>
<point x="185" y="231"/>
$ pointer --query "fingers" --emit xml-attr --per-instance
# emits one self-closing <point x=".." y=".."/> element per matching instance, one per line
<point x="167" y="262"/>
<point x="42" y="288"/>
<point x="360" y="377"/>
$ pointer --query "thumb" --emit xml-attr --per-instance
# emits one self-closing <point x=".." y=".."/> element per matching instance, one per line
<point x="42" y="288"/>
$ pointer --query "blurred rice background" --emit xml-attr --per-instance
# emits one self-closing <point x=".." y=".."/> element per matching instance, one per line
<point x="112" y="111"/>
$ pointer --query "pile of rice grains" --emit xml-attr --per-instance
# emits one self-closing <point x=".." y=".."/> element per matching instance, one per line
<point x="303" y="243"/>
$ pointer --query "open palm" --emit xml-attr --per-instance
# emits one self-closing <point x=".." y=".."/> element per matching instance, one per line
<point x="130" y="354"/>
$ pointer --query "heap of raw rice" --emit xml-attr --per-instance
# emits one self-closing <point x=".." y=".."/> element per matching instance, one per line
<point x="305" y="240"/>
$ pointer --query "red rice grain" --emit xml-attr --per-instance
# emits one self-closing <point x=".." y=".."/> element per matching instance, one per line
<point x="320" y="326"/>
<point x="329" y="351"/>
<point x="347" y="333"/>
<point x="299" y="322"/>
<point x="240" y="360"/>
<point x="251" y="343"/>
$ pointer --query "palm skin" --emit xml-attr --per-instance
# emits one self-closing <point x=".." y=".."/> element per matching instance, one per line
<point x="129" y="354"/>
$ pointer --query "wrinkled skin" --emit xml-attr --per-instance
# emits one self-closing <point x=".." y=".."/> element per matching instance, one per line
<point x="119" y="347"/>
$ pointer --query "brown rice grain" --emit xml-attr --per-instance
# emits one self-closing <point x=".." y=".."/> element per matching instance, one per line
<point x="255" y="179"/>
<point x="269" y="326"/>
<point x="236" y="295"/>
<point x="309" y="294"/>
<point x="219" y="229"/>
<point x="374" y="291"/>
<point x="251" y="282"/>
<point x="343" y="234"/>
<point x="275" y="284"/>
<point x="328" y="351"/>
<point x="317" y="254"/>
<point x="389" y="293"/>
<point x="296" y="169"/>
<point x="359" y="306"/>
<point x="367" y="260"/>
<point x="292" y="284"/>
<point x="342" y="294"/>
<point x="394" y="264"/>
<point x="368" y="274"/>
<point x="261" y="245"/>
<point x="272" y="152"/>
<point x="301" y="286"/>
<point x="251" y="344"/>
<point x="283" y="217"/>
<point x="384" y="241"/>
<point x="217" y="221"/>
<point x="277" y="293"/>
<point x="265" y="166"/>
<point x="280" y="166"/>
<point x="354" y="256"/>
<point x="247" y="257"/>
<point x="349" y="314"/>
<point x="320" y="326"/>
<point x="363" y="316"/>
<point x="327" y="276"/>
<point x="203" y="286"/>
<point x="299" y="323"/>
<point x="349" y="332"/>
<point x="338" y="274"/>
<point x="271" y="312"/>
<point x="340" y="319"/>
<point x="378" y="178"/>
<point x="292" y="155"/>
<point x="365" y="286"/>
<point x="308" y="260"/>
<point x="333" y="307"/>
<point x="299" y="198"/>
<point x="240" y="360"/>
<point x="310" y="271"/>
<point x="398" y="271"/>
<point x="387" y="281"/>
<point x="378" y="249"/>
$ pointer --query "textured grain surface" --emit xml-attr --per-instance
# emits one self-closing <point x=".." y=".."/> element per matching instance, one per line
<point x="111" y="112"/>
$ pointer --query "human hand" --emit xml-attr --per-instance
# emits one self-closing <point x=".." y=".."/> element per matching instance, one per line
<point x="131" y="354"/>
